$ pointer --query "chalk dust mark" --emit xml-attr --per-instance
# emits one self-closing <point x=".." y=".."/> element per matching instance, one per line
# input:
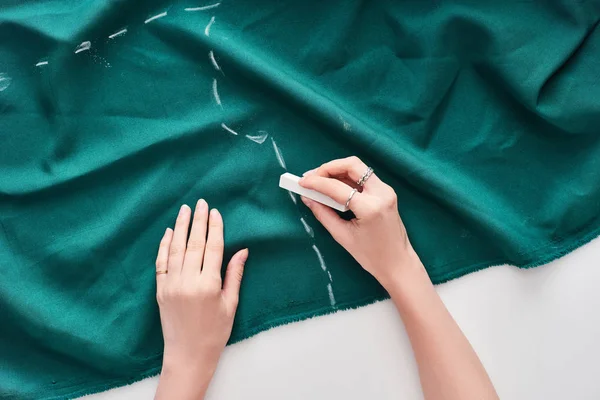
<point x="157" y="16"/>
<point x="216" y="93"/>
<point x="308" y="228"/>
<point x="191" y="9"/>
<point x="331" y="296"/>
<point x="100" y="60"/>
<point x="345" y="124"/>
<point x="213" y="61"/>
<point x="228" y="129"/>
<point x="207" y="29"/>
<point x="324" y="268"/>
<point x="120" y="33"/>
<point x="320" y="257"/>
<point x="293" y="197"/>
<point x="84" y="46"/>
<point x="41" y="63"/>
<point x="5" y="81"/>
<point x="278" y="154"/>
<point x="260" y="139"/>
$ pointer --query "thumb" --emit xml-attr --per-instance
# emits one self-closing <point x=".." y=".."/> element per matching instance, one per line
<point x="233" y="277"/>
<point x="337" y="227"/>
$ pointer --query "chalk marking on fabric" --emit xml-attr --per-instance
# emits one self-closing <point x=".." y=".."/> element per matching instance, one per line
<point x="84" y="46"/>
<point x="120" y="33"/>
<point x="324" y="268"/>
<point x="101" y="60"/>
<point x="293" y="197"/>
<point x="331" y="296"/>
<point x="278" y="154"/>
<point x="207" y="29"/>
<point x="347" y="127"/>
<point x="228" y="129"/>
<point x="211" y="56"/>
<point x="320" y="257"/>
<point x="208" y="7"/>
<point x="157" y="16"/>
<point x="41" y="63"/>
<point x="260" y="139"/>
<point x="307" y="228"/>
<point x="216" y="93"/>
<point x="5" y="81"/>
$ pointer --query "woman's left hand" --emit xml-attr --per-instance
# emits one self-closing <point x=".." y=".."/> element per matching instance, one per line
<point x="196" y="308"/>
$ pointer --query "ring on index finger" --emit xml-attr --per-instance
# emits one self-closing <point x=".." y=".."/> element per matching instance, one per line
<point x="365" y="177"/>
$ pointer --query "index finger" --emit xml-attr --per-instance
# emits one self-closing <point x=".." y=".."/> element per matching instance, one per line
<point x="351" y="167"/>
<point x="337" y="190"/>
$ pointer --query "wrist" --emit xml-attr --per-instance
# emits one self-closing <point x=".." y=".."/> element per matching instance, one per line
<point x="188" y="377"/>
<point x="405" y="274"/>
<point x="182" y="364"/>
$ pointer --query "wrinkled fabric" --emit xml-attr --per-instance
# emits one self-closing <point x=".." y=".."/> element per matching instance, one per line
<point x="483" y="116"/>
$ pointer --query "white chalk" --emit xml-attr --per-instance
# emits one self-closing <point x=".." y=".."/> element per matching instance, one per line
<point x="289" y="182"/>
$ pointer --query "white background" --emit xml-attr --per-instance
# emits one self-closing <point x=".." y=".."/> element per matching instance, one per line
<point x="536" y="331"/>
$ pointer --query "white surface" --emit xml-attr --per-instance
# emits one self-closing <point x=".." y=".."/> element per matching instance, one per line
<point x="536" y="331"/>
<point x="290" y="182"/>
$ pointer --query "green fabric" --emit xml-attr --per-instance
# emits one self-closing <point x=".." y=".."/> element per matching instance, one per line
<point x="483" y="115"/>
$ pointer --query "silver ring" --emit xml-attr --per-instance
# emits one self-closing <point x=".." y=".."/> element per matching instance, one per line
<point x="365" y="176"/>
<point x="350" y="197"/>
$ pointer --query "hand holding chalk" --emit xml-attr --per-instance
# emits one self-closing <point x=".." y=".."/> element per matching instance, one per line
<point x="376" y="238"/>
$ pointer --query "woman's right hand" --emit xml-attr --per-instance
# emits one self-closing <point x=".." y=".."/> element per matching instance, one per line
<point x="376" y="238"/>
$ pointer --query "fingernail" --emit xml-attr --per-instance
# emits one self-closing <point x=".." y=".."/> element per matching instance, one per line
<point x="201" y="204"/>
<point x="166" y="231"/>
<point x="183" y="209"/>
<point x="310" y="171"/>
<point x="214" y="213"/>
<point x="244" y="256"/>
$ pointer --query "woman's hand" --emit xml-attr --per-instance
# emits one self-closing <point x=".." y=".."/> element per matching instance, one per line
<point x="376" y="238"/>
<point x="196" y="308"/>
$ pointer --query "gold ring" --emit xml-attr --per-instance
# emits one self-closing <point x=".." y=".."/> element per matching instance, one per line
<point x="162" y="272"/>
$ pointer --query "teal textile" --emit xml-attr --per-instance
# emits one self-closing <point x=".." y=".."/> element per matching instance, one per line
<point x="483" y="115"/>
